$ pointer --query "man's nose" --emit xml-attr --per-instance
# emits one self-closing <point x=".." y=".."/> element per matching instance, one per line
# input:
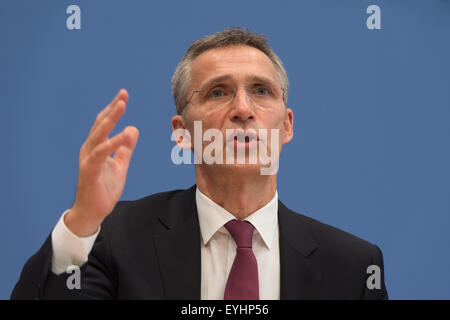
<point x="242" y="107"/>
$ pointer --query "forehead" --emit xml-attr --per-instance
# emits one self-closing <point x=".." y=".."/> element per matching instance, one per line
<point x="239" y="62"/>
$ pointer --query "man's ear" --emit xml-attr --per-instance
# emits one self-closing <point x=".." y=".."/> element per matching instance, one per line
<point x="180" y="133"/>
<point x="288" y="126"/>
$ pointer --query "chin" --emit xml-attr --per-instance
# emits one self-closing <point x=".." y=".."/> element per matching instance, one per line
<point x="241" y="169"/>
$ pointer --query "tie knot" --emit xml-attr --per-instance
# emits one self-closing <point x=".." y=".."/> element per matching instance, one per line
<point x="241" y="231"/>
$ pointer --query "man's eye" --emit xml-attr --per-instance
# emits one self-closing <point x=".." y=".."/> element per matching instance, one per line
<point x="216" y="93"/>
<point x="262" y="91"/>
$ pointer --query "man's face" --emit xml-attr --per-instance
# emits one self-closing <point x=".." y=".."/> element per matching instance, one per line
<point x="239" y="89"/>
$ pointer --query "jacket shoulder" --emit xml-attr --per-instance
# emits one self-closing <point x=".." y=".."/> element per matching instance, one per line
<point x="342" y="258"/>
<point x="331" y="239"/>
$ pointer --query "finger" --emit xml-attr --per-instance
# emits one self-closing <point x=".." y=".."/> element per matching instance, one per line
<point x="121" y="95"/>
<point x="125" y="151"/>
<point x="104" y="128"/>
<point x="102" y="151"/>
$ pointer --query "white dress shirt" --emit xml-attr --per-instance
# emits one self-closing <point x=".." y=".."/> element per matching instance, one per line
<point x="218" y="248"/>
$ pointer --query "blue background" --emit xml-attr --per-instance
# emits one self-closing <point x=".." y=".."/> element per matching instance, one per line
<point x="370" y="153"/>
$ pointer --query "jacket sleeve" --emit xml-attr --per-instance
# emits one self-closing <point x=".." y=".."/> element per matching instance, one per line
<point x="96" y="281"/>
<point x="34" y="273"/>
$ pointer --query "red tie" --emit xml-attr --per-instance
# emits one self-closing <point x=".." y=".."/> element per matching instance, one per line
<point x="242" y="283"/>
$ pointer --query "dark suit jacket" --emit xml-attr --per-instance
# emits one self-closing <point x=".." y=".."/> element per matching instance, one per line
<point x="150" y="249"/>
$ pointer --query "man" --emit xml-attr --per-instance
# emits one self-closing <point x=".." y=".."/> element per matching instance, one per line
<point x="228" y="236"/>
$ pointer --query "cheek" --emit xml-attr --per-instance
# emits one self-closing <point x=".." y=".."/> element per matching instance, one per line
<point x="272" y="119"/>
<point x="276" y="120"/>
<point x="213" y="118"/>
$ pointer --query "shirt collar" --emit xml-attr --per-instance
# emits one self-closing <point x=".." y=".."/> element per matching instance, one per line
<point x="212" y="217"/>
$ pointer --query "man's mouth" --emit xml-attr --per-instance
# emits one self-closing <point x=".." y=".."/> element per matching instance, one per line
<point x="241" y="138"/>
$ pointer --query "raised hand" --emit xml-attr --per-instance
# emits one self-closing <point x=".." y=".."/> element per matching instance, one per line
<point x="101" y="177"/>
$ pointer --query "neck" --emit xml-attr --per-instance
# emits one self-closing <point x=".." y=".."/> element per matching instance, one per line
<point x="239" y="192"/>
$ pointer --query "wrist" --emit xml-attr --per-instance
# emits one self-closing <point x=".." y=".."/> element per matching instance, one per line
<point x="80" y="226"/>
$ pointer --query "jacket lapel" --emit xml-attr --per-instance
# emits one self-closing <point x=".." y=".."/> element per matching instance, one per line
<point x="299" y="277"/>
<point x="178" y="248"/>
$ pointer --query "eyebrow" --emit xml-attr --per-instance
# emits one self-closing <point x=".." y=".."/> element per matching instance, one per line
<point x="262" y="80"/>
<point x="216" y="79"/>
<point x="225" y="77"/>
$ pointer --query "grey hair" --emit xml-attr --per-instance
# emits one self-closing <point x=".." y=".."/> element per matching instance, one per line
<point x="229" y="37"/>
